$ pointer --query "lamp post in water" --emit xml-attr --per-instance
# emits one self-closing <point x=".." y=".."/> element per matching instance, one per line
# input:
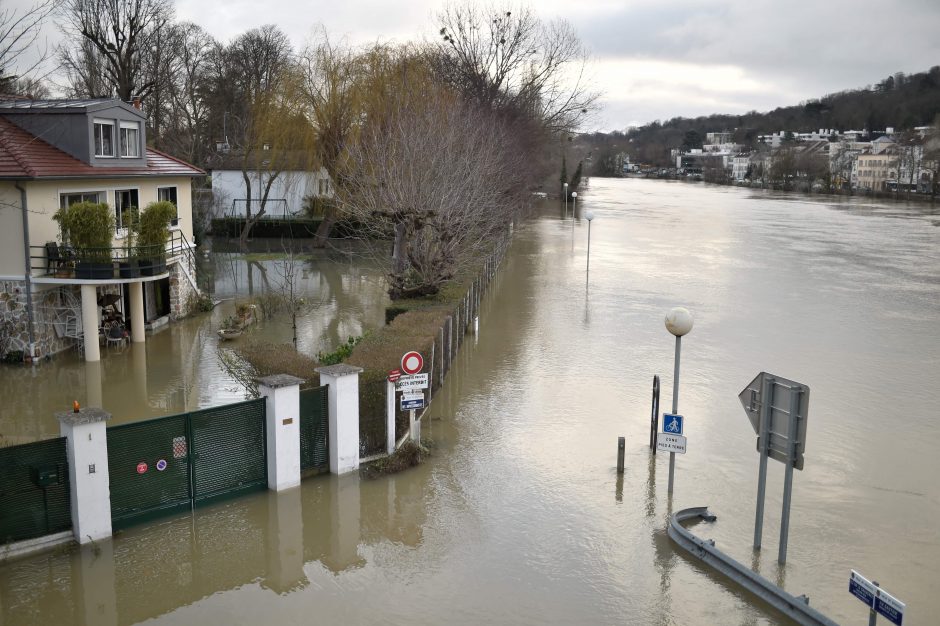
<point x="679" y="323"/>
<point x="589" y="216"/>
<point x="565" y="191"/>
<point x="574" y="213"/>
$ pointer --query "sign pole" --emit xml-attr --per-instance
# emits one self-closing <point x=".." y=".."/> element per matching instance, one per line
<point x="675" y="408"/>
<point x="678" y="323"/>
<point x="872" y="613"/>
<point x="795" y="393"/>
<point x="766" y="410"/>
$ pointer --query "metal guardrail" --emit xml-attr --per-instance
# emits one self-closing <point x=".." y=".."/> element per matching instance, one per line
<point x="705" y="551"/>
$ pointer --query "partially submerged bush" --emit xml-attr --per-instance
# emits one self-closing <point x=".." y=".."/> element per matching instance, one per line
<point x="408" y="455"/>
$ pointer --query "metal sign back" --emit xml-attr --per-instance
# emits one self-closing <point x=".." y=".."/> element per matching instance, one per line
<point x="781" y="413"/>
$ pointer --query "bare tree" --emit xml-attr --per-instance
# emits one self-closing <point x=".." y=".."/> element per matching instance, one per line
<point x="19" y="55"/>
<point x="509" y="60"/>
<point x="122" y="33"/>
<point x="434" y="176"/>
<point x="188" y="107"/>
<point x="82" y="69"/>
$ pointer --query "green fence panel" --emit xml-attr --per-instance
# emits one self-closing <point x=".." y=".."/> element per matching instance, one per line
<point x="314" y="429"/>
<point x="140" y="489"/>
<point x="34" y="490"/>
<point x="373" y="422"/>
<point x="228" y="445"/>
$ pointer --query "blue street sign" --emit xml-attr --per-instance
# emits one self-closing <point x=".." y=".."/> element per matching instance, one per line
<point x="411" y="402"/>
<point x="890" y="607"/>
<point x="876" y="598"/>
<point x="862" y="589"/>
<point x="673" y="424"/>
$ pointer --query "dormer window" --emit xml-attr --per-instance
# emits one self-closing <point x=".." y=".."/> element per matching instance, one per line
<point x="104" y="138"/>
<point x="130" y="139"/>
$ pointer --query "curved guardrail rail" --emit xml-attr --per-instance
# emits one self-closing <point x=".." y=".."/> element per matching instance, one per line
<point x="705" y="551"/>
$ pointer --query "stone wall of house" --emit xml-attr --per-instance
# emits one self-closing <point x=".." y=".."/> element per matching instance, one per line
<point x="181" y="290"/>
<point x="48" y="320"/>
<point x="14" y="322"/>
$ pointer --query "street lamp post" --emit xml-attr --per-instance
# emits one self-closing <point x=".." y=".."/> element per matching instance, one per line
<point x="574" y="213"/>
<point x="565" y="191"/>
<point x="589" y="216"/>
<point x="679" y="323"/>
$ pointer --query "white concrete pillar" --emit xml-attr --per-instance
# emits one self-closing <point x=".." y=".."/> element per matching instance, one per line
<point x="390" y="418"/>
<point x="88" y="472"/>
<point x="93" y="386"/>
<point x="343" y="381"/>
<point x="136" y="292"/>
<point x="90" y="322"/>
<point x="282" y="427"/>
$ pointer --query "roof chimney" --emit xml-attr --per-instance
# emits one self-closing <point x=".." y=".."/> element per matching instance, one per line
<point x="136" y="102"/>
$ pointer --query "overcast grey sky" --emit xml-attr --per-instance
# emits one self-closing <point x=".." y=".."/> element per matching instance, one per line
<point x="657" y="59"/>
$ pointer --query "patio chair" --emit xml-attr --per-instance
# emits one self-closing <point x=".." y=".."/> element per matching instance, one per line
<point x="116" y="334"/>
<point x="54" y="259"/>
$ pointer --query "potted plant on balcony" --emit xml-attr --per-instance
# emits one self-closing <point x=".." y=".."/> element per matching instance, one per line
<point x="89" y="226"/>
<point x="128" y="266"/>
<point x="152" y="236"/>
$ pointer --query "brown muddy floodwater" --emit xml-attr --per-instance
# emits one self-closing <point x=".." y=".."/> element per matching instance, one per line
<point x="520" y="517"/>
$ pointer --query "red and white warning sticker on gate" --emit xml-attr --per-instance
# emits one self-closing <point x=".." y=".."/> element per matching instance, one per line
<point x="179" y="447"/>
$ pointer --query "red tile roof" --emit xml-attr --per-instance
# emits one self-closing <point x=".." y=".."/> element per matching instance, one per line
<point x="23" y="155"/>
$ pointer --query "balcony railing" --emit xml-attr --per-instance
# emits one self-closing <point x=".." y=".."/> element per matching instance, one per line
<point x="62" y="261"/>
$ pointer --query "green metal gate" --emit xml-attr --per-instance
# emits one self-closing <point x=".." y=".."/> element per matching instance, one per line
<point x="314" y="429"/>
<point x="168" y="464"/>
<point x="34" y="490"/>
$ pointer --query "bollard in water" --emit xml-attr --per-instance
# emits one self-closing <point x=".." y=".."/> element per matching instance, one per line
<point x="621" y="449"/>
<point x="654" y="415"/>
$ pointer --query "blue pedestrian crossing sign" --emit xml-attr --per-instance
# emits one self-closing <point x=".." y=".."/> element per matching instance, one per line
<point x="673" y="424"/>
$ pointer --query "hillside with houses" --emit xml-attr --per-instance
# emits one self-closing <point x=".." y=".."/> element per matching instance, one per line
<point x="878" y="139"/>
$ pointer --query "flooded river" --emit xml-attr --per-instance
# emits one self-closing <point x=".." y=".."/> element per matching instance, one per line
<point x="520" y="517"/>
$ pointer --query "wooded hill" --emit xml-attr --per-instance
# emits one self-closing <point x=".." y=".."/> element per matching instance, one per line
<point x="901" y="101"/>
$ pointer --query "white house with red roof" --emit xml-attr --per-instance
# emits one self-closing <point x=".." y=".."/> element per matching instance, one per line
<point x="54" y="153"/>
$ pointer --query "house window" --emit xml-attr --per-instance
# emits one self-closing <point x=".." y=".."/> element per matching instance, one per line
<point x="125" y="207"/>
<point x="130" y="139"/>
<point x="104" y="138"/>
<point x="68" y="199"/>
<point x="169" y="194"/>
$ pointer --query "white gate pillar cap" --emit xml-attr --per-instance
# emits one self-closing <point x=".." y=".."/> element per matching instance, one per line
<point x="83" y="416"/>
<point x="276" y="381"/>
<point x="340" y="369"/>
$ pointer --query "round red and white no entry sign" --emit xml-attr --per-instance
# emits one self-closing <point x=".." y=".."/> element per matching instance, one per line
<point x="412" y="362"/>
